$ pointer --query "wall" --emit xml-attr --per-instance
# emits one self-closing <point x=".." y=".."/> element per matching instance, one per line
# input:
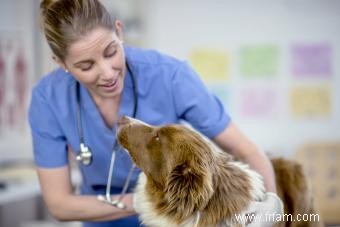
<point x="226" y="27"/>
<point x="180" y="27"/>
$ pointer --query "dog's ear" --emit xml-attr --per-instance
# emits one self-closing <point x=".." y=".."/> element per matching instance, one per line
<point x="189" y="188"/>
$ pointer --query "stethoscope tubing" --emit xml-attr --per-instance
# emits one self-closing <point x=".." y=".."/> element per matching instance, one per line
<point x="88" y="153"/>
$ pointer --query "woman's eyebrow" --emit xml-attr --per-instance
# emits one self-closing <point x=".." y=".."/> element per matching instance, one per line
<point x="83" y="62"/>
<point x="87" y="61"/>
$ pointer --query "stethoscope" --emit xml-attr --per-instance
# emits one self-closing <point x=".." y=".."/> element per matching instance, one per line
<point x="85" y="155"/>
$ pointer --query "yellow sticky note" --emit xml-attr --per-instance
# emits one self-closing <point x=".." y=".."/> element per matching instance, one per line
<point x="311" y="101"/>
<point x="211" y="65"/>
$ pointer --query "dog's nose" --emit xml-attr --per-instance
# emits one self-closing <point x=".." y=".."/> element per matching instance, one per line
<point x="123" y="120"/>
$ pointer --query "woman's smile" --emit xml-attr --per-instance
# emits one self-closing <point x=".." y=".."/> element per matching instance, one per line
<point x="111" y="86"/>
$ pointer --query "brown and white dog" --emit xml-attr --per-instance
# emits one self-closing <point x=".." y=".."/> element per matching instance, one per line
<point x="187" y="181"/>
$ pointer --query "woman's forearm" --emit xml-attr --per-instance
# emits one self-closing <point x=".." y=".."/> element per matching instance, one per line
<point x="64" y="205"/>
<point x="88" y="208"/>
<point x="259" y="162"/>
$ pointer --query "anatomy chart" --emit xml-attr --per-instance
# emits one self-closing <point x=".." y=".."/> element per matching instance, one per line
<point x="14" y="84"/>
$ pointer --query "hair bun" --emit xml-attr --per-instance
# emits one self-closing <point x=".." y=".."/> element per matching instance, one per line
<point x="46" y="4"/>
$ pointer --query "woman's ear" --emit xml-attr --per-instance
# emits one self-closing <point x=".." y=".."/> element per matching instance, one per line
<point x="119" y="29"/>
<point x="59" y="62"/>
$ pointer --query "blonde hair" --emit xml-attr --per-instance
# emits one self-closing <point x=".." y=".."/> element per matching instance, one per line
<point x="66" y="21"/>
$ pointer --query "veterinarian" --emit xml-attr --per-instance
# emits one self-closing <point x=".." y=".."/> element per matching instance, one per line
<point x="74" y="110"/>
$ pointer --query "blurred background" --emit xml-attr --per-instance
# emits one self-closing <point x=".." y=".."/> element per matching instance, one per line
<point x="274" y="64"/>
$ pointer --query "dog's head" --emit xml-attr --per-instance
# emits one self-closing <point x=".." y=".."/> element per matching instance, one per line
<point x="174" y="157"/>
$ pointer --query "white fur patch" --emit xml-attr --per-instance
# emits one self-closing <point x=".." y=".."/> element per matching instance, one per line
<point x="134" y="121"/>
<point x="145" y="208"/>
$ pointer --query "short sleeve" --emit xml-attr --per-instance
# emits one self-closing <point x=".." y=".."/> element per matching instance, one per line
<point x="196" y="104"/>
<point x="49" y="143"/>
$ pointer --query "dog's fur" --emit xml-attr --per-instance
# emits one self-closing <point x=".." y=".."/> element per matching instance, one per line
<point x="188" y="181"/>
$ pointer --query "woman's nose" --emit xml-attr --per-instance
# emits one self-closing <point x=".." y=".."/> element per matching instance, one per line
<point x="107" y="71"/>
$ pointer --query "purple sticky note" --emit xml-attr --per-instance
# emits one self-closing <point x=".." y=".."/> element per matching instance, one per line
<point x="311" y="60"/>
<point x="258" y="102"/>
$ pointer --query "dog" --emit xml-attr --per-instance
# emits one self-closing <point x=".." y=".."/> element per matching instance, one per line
<point x="187" y="180"/>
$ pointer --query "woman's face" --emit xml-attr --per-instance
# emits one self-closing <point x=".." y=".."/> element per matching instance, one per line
<point x="97" y="60"/>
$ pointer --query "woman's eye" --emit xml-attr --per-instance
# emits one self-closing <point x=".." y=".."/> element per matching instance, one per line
<point x="111" y="53"/>
<point x="86" y="68"/>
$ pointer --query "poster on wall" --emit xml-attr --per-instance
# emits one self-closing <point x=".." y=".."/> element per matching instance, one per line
<point x="14" y="90"/>
<point x="14" y="84"/>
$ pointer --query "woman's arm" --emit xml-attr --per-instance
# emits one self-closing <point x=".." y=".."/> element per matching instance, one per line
<point x="233" y="141"/>
<point x="64" y="205"/>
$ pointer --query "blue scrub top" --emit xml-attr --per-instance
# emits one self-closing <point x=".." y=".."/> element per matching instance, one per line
<point x="168" y="91"/>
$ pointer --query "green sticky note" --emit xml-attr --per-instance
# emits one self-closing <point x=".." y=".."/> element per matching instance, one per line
<point x="259" y="61"/>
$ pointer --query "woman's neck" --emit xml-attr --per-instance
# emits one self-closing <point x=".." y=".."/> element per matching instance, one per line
<point x="108" y="109"/>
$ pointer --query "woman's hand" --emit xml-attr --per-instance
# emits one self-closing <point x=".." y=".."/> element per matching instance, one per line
<point x="265" y="213"/>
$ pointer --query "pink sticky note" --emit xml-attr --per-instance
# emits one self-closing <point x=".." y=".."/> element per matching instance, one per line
<point x="258" y="102"/>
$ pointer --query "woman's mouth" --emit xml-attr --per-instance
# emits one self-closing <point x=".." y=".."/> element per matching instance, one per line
<point x="110" y="86"/>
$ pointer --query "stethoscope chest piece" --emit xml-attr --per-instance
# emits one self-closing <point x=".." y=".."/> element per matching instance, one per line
<point x="85" y="155"/>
